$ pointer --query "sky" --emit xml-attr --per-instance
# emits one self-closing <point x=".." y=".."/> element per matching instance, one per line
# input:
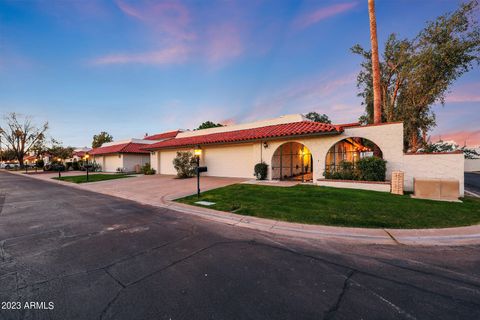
<point x="136" y="67"/>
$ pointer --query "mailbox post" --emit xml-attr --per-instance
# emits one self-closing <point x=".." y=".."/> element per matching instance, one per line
<point x="198" y="169"/>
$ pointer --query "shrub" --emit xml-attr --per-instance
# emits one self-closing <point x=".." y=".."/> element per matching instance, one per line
<point x="147" y="169"/>
<point x="345" y="171"/>
<point x="372" y="169"/>
<point x="261" y="171"/>
<point x="185" y="164"/>
<point x="68" y="165"/>
<point x="54" y="167"/>
<point x="75" y="165"/>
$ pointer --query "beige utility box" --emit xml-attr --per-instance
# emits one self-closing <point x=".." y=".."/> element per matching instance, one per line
<point x="436" y="189"/>
<point x="398" y="178"/>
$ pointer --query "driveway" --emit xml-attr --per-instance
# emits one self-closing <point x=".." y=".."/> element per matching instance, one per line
<point x="472" y="182"/>
<point x="94" y="256"/>
<point x="155" y="189"/>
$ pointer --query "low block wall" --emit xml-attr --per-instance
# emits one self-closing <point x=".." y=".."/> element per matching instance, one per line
<point x="353" y="184"/>
<point x="472" y="165"/>
<point x="433" y="166"/>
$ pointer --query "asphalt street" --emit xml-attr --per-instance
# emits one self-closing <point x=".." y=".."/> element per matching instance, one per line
<point x="67" y="253"/>
<point x="472" y="182"/>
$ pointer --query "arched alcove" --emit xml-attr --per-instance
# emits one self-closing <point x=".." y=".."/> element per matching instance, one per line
<point x="350" y="150"/>
<point x="292" y="161"/>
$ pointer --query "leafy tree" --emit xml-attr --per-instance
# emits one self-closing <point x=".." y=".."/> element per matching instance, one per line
<point x="100" y="139"/>
<point x="185" y="164"/>
<point x="209" y="124"/>
<point x="21" y="134"/>
<point x="57" y="150"/>
<point x="7" y="155"/>
<point x="314" y="116"/>
<point x="417" y="73"/>
<point x="449" y="146"/>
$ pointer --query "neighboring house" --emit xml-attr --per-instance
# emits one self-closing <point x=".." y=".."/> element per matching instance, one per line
<point x="295" y="148"/>
<point x="127" y="155"/>
<point x="79" y="153"/>
<point x="30" y="160"/>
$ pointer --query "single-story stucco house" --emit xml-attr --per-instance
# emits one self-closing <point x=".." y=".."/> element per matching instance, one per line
<point x="295" y="148"/>
<point x="127" y="155"/>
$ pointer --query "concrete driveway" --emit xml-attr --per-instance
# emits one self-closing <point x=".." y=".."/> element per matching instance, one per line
<point x="94" y="256"/>
<point x="155" y="189"/>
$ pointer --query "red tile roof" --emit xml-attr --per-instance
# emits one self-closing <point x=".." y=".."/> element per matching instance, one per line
<point x="79" y="153"/>
<point x="162" y="136"/>
<point x="129" y="147"/>
<point x="267" y="132"/>
<point x="29" y="158"/>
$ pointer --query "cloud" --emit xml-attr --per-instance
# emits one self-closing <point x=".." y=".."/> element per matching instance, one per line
<point x="310" y="18"/>
<point x="214" y="37"/>
<point x="170" y="18"/>
<point x="468" y="92"/>
<point x="470" y="137"/>
<point x="170" y="55"/>
<point x="330" y="94"/>
<point x="224" y="43"/>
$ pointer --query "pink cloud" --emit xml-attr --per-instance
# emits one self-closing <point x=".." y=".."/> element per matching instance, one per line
<point x="224" y="43"/>
<point x="175" y="54"/>
<point x="214" y="37"/>
<point x="330" y="94"/>
<point x="470" y="137"/>
<point x="171" y="18"/>
<point x="320" y="14"/>
<point x="465" y="93"/>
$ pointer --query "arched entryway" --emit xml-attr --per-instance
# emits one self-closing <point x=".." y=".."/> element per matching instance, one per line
<point x="350" y="150"/>
<point x="292" y="161"/>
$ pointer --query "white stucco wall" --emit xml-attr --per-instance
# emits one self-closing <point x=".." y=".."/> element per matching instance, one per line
<point x="472" y="165"/>
<point x="355" y="185"/>
<point x="445" y="166"/>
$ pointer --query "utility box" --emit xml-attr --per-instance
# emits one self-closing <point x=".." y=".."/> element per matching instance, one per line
<point x="397" y="182"/>
<point x="436" y="189"/>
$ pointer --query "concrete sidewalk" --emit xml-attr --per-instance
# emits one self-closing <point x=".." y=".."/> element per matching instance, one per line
<point x="148" y="190"/>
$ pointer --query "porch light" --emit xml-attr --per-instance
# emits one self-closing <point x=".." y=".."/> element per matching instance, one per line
<point x="198" y="152"/>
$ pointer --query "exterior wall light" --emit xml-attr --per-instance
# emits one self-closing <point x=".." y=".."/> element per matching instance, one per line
<point x="265" y="144"/>
<point x="198" y="151"/>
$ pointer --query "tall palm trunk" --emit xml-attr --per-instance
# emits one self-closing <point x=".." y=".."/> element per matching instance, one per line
<point x="377" y="98"/>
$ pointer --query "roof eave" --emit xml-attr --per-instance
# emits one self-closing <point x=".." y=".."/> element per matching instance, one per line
<point x="290" y="137"/>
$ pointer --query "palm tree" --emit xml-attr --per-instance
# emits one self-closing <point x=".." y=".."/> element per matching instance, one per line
<point x="377" y="99"/>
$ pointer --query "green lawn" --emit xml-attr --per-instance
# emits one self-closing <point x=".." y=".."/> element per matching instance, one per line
<point x="340" y="207"/>
<point x="92" y="177"/>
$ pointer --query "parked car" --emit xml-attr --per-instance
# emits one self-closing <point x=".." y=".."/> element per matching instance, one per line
<point x="9" y="165"/>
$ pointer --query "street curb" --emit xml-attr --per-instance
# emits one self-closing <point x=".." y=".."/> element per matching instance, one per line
<point x="456" y="236"/>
